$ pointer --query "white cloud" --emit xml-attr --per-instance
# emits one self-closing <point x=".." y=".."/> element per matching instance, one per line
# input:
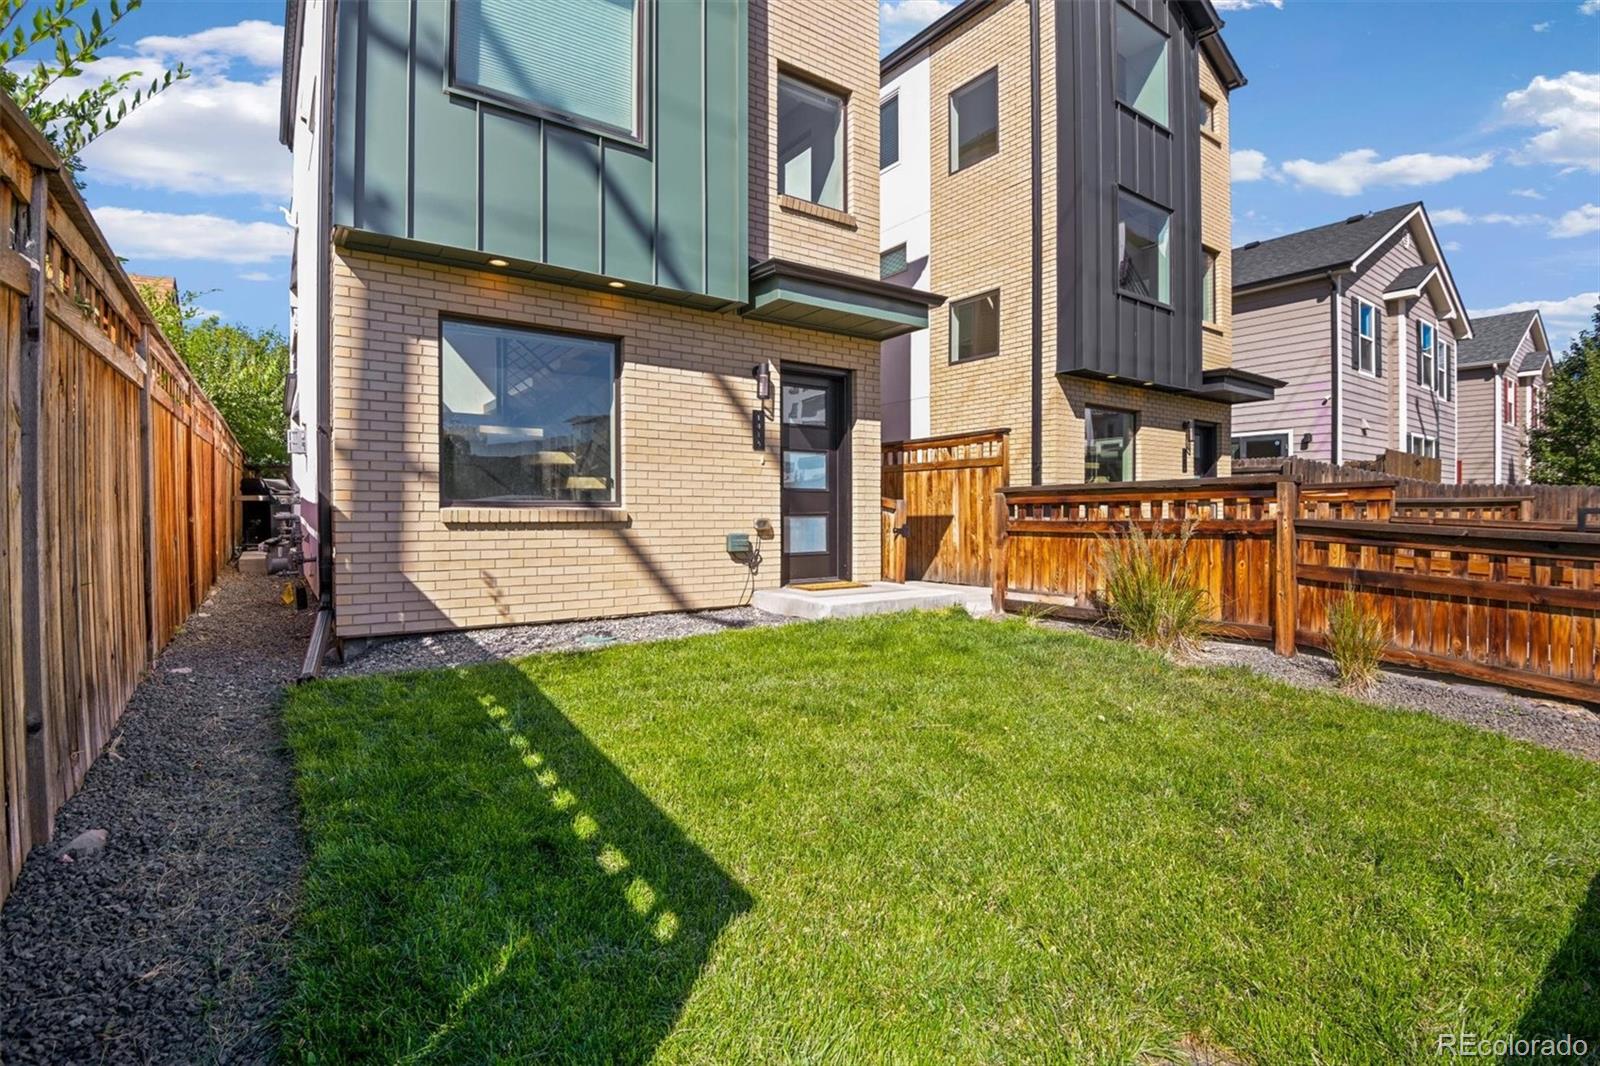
<point x="1247" y="164"/>
<point x="141" y="234"/>
<point x="1351" y="173"/>
<point x="213" y="133"/>
<point x="256" y="275"/>
<point x="1540" y="27"/>
<point x="1589" y="7"/>
<point x="911" y="15"/>
<point x="1528" y="194"/>
<point x="1578" y="222"/>
<point x="1562" y="318"/>
<point x="1454" y="216"/>
<point x="1452" y="246"/>
<point x="1245" y="5"/>
<point x="1568" y="109"/>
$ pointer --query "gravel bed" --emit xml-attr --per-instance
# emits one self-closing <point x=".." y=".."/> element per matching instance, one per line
<point x="170" y="945"/>
<point x="464" y="647"/>
<point x="1551" y="723"/>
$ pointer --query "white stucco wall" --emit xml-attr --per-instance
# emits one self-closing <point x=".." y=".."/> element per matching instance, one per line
<point x="903" y="191"/>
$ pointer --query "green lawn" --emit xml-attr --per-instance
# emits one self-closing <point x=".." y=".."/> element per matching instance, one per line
<point x="918" y="839"/>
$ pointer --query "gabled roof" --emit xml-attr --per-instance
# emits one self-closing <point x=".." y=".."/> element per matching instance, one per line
<point x="1410" y="281"/>
<point x="1312" y="251"/>
<point x="1342" y="247"/>
<point x="1200" y="14"/>
<point x="1495" y="338"/>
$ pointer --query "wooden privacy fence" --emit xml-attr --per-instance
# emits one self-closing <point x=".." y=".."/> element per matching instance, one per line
<point x="120" y="478"/>
<point x="1558" y="504"/>
<point x="1497" y="603"/>
<point x="947" y="485"/>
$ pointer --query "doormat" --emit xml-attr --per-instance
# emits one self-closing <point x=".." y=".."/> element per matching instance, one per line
<point x="827" y="586"/>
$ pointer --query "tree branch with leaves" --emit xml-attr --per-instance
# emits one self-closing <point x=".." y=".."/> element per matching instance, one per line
<point x="61" y="43"/>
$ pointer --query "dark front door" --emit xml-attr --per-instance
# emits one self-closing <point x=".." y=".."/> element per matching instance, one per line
<point x="815" y="533"/>
<point x="1205" y="449"/>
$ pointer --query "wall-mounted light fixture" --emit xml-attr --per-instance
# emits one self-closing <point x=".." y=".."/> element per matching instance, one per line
<point x="763" y="378"/>
<point x="498" y="263"/>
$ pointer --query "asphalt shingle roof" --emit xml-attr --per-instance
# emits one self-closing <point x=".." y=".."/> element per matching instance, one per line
<point x="1410" y="278"/>
<point x="1494" y="338"/>
<point x="1322" y="248"/>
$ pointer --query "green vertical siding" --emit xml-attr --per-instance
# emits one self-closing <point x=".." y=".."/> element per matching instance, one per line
<point x="513" y="185"/>
<point x="416" y="160"/>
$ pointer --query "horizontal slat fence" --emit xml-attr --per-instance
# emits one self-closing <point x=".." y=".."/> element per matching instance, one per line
<point x="1558" y="504"/>
<point x="116" y="468"/>
<point x="1504" y="603"/>
<point x="948" y="485"/>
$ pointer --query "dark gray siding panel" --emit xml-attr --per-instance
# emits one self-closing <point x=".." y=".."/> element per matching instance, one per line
<point x="1109" y="148"/>
<point x="414" y="160"/>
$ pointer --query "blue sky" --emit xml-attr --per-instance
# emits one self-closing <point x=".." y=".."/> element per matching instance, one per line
<point x="1489" y="112"/>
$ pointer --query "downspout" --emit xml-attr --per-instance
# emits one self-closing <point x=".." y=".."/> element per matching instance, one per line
<point x="1336" y="399"/>
<point x="1499" y="418"/>
<point x="1036" y="340"/>
<point x="322" y="632"/>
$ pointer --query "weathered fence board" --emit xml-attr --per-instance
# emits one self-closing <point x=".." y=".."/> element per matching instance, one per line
<point x="948" y="486"/>
<point x="1508" y="603"/>
<point x="80" y="614"/>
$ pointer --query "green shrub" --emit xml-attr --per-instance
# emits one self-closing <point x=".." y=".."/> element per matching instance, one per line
<point x="1153" y="591"/>
<point x="1356" y="639"/>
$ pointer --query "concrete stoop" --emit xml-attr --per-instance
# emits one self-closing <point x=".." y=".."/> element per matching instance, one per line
<point x="879" y="597"/>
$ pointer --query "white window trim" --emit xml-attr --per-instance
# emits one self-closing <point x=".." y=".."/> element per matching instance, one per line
<point x="1443" y="360"/>
<point x="1426" y="442"/>
<point x="1367" y="361"/>
<point x="1430" y="352"/>
<point x="1287" y="434"/>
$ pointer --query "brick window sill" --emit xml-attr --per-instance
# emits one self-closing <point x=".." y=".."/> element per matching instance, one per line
<point x="534" y="516"/>
<point x="1213" y="328"/>
<point x="806" y="207"/>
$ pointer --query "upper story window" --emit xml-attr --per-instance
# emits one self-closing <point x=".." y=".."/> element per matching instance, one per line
<point x="1208" y="288"/>
<point x="810" y="143"/>
<point x="526" y="415"/>
<point x="1141" y="66"/>
<point x="892" y="262"/>
<point x="1366" y="354"/>
<point x="975" y="121"/>
<point x="1144" y="263"/>
<point x="1425" y="363"/>
<point x="1511" y="401"/>
<point x="889" y="132"/>
<point x="1418" y="444"/>
<point x="1444" y="366"/>
<point x="1208" y="113"/>
<point x="975" y="327"/>
<point x="580" y="62"/>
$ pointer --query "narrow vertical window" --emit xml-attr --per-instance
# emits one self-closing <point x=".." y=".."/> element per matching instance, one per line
<point x="1367" y="342"/>
<point x="975" y="121"/>
<point x="1141" y="66"/>
<point x="1108" y="444"/>
<point x="889" y="132"/>
<point x="1208" y="289"/>
<point x="1208" y="113"/>
<point x="810" y="144"/>
<point x="1144" y="264"/>
<point x="1425" y="355"/>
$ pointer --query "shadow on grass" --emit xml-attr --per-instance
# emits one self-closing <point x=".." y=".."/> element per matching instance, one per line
<point x="485" y="883"/>
<point x="1568" y="999"/>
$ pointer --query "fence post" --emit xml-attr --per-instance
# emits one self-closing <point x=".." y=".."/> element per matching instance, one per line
<point x="1002" y="550"/>
<point x="147" y="473"/>
<point x="1525" y="509"/>
<point x="37" y="746"/>
<point x="1285" y="600"/>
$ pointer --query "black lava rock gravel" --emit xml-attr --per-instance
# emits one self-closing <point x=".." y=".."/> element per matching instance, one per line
<point x="171" y="944"/>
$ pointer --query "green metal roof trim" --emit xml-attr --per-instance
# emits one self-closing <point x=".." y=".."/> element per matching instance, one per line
<point x="811" y="297"/>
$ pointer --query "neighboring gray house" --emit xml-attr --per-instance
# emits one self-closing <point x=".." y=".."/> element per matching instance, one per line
<point x="1504" y="371"/>
<point x="1361" y="319"/>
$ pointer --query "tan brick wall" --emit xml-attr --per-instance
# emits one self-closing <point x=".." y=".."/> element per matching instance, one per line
<point x="689" y="475"/>
<point x="981" y="232"/>
<point x="833" y="44"/>
<point x="1216" y="220"/>
<point x="1160" y="441"/>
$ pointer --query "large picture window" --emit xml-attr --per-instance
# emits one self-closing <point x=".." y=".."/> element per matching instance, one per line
<point x="1108" y="444"/>
<point x="526" y="416"/>
<point x="975" y="327"/>
<point x="1145" y="264"/>
<point x="1141" y="66"/>
<point x="975" y="121"/>
<point x="810" y="143"/>
<point x="579" y="61"/>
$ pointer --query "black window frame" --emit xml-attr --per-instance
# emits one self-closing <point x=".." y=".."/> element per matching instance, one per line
<point x="639" y="135"/>
<point x="787" y="73"/>
<point x="953" y="150"/>
<point x="1154" y="301"/>
<point x="618" y="358"/>
<point x="951" y="326"/>
<point x="1089" y="411"/>
<point x="1236" y="443"/>
<point x="892" y="100"/>
<point x="1116" y="70"/>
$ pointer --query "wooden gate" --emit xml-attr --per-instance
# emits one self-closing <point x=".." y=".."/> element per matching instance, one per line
<point x="947" y="485"/>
